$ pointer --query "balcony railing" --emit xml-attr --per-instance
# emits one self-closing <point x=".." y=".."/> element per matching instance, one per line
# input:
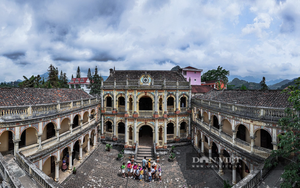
<point x="263" y="152"/>
<point x="171" y="110"/>
<point x="214" y="130"/>
<point x="226" y="136"/>
<point x="170" y="136"/>
<point x="108" y="109"/>
<point x="243" y="144"/>
<point x="183" y="109"/>
<point x="255" y="112"/>
<point x="146" y="113"/>
<point x="121" y="109"/>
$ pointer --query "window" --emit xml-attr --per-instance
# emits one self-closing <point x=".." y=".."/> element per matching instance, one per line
<point x="195" y="80"/>
<point x="195" y="72"/>
<point x="184" y="72"/>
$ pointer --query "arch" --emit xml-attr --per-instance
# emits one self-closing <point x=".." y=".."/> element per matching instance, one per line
<point x="121" y="128"/>
<point x="7" y="138"/>
<point x="243" y="133"/>
<point x="28" y="137"/>
<point x="205" y="117"/>
<point x="64" y="155"/>
<point x="142" y="94"/>
<point x="145" y="135"/>
<point x="215" y="151"/>
<point x="75" y="152"/>
<point x="242" y="169"/>
<point x="263" y="139"/>
<point x="130" y="133"/>
<point x="92" y="137"/>
<point x="49" y="166"/>
<point x="121" y="100"/>
<point x="108" y="126"/>
<point x="85" y="142"/>
<point x="64" y="125"/>
<point x="183" y="101"/>
<point x="183" y="95"/>
<point x="93" y="112"/>
<point x="49" y="131"/>
<point x="108" y="101"/>
<point x="130" y="103"/>
<point x="121" y="94"/>
<point x="227" y="127"/>
<point x="107" y="95"/>
<point x="170" y="101"/>
<point x="183" y="127"/>
<point x="76" y="121"/>
<point x="170" y="128"/>
<point x="215" y="121"/>
<point x="145" y="103"/>
<point x="85" y="117"/>
<point x="160" y="104"/>
<point x="142" y="124"/>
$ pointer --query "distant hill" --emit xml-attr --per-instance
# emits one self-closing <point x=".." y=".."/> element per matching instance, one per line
<point x="238" y="84"/>
<point x="278" y="85"/>
<point x="288" y="84"/>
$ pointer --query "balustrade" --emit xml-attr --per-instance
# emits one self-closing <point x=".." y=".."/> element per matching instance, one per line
<point x="170" y="136"/>
<point x="121" y="109"/>
<point x="242" y="144"/>
<point x="145" y="113"/>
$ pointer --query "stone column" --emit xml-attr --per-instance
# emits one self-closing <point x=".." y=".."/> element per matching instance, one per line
<point x="126" y="101"/>
<point x="134" y="130"/>
<point x="220" y="164"/>
<point x="40" y="141"/>
<point x="209" y="152"/>
<point x="155" y="102"/>
<point x="70" y="159"/>
<point x="102" y="102"/>
<point x="126" y="131"/>
<point x="16" y="146"/>
<point x="95" y="139"/>
<point x="196" y="140"/>
<point x="190" y="125"/>
<point x="165" y="132"/>
<point x="177" y="127"/>
<point x="252" y="143"/>
<point x="190" y="99"/>
<point x="102" y="124"/>
<point x="165" y="102"/>
<point x="56" y="171"/>
<point x="88" y="145"/>
<point x="115" y="101"/>
<point x="115" y="125"/>
<point x="134" y="101"/>
<point x="220" y="129"/>
<point x="233" y="174"/>
<point x="233" y="137"/>
<point x="156" y="131"/>
<point x="57" y="135"/>
<point x="177" y="101"/>
<point x="71" y="128"/>
<point x="202" y="145"/>
<point x="80" y="152"/>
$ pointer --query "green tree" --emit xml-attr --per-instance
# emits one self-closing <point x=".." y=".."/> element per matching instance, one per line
<point x="33" y="81"/>
<point x="89" y="74"/>
<point x="263" y="84"/>
<point x="290" y="141"/>
<point x="216" y="74"/>
<point x="53" y="77"/>
<point x="176" y="68"/>
<point x="243" y="87"/>
<point x="95" y="83"/>
<point x="78" y="73"/>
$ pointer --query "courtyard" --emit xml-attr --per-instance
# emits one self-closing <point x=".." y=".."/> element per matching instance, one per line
<point x="101" y="169"/>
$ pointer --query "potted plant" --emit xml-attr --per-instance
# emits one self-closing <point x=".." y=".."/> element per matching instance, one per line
<point x="122" y="151"/>
<point x="172" y="149"/>
<point x="108" y="147"/>
<point x="120" y="156"/>
<point x="172" y="157"/>
<point x="74" y="170"/>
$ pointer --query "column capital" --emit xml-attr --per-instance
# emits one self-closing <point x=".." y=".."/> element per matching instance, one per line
<point x="233" y="131"/>
<point x="252" y="137"/>
<point x="16" y="140"/>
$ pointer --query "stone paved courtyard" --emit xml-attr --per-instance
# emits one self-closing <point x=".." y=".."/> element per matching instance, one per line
<point x="101" y="169"/>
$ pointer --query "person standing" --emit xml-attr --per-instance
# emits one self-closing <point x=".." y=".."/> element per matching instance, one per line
<point x="144" y="161"/>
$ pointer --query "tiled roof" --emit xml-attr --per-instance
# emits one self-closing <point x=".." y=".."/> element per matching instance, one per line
<point x="269" y="98"/>
<point x="189" y="67"/>
<point x="201" y="89"/>
<point x="82" y="80"/>
<point x="32" y="96"/>
<point x="120" y="75"/>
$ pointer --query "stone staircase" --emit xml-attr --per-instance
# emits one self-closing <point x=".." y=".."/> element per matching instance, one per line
<point x="144" y="151"/>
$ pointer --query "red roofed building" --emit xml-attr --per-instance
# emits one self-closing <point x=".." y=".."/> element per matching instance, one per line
<point x="83" y="83"/>
<point x="200" y="90"/>
<point x="193" y="74"/>
<point x="213" y="84"/>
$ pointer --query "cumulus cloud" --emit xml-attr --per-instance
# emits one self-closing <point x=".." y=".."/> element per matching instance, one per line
<point x="149" y="34"/>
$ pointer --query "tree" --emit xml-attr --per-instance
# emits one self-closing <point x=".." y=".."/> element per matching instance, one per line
<point x="89" y="74"/>
<point x="289" y="142"/>
<point x="176" y="68"/>
<point x="78" y="73"/>
<point x="53" y="76"/>
<point x="95" y="83"/>
<point x="263" y="84"/>
<point x="216" y="74"/>
<point x="244" y="88"/>
<point x="33" y="81"/>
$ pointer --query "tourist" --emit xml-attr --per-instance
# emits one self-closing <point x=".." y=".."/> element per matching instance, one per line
<point x="131" y="170"/>
<point x="155" y="167"/>
<point x="137" y="172"/>
<point x="144" y="163"/>
<point x="149" y="164"/>
<point x="64" y="165"/>
<point x="123" y="170"/>
<point x="134" y="169"/>
<point x="145" y="174"/>
<point x="159" y="173"/>
<point x="128" y="169"/>
<point x="141" y="173"/>
<point x="153" y="173"/>
<point x="150" y="176"/>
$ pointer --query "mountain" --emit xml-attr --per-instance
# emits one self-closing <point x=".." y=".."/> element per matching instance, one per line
<point x="279" y="84"/>
<point x="248" y="78"/>
<point x="238" y="84"/>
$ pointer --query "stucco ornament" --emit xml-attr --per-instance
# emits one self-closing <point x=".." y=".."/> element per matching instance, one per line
<point x="145" y="80"/>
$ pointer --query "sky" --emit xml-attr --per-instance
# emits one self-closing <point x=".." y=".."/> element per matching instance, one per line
<point x="249" y="38"/>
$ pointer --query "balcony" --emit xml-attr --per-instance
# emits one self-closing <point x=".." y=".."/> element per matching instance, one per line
<point x="170" y="136"/>
<point x="121" y="109"/>
<point x="108" y="109"/>
<point x="183" y="109"/>
<point x="146" y="113"/>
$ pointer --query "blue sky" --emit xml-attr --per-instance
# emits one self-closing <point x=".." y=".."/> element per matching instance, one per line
<point x="250" y="38"/>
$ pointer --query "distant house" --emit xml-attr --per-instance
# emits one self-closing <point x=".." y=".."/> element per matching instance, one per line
<point x="192" y="73"/>
<point x="213" y="84"/>
<point x="200" y="90"/>
<point x="83" y="83"/>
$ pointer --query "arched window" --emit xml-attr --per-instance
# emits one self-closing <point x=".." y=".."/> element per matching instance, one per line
<point x="121" y="128"/>
<point x="108" y="102"/>
<point x="170" y="128"/>
<point x="145" y="103"/>
<point x="108" y="126"/>
<point x="183" y="102"/>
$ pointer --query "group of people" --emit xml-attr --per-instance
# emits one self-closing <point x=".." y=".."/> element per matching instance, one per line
<point x="147" y="171"/>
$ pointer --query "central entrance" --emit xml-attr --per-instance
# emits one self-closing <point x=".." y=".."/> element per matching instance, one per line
<point x="145" y="136"/>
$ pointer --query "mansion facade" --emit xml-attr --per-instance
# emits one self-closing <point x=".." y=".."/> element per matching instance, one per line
<point x="139" y="106"/>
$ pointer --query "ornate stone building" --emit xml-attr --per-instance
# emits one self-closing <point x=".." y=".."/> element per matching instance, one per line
<point x="238" y="124"/>
<point x="145" y="107"/>
<point x="40" y="127"/>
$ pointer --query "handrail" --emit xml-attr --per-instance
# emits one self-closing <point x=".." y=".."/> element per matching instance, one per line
<point x="154" y="150"/>
<point x="136" y="150"/>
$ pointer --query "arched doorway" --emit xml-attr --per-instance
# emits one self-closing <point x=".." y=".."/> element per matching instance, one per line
<point x="85" y="117"/>
<point x="75" y="153"/>
<point x="7" y="144"/>
<point x="121" y="104"/>
<point x="183" y="130"/>
<point x="49" y="167"/>
<point x="75" y="121"/>
<point x="49" y="131"/>
<point x="28" y="137"/>
<point x="183" y="102"/>
<point x="145" y="103"/>
<point x="64" y="157"/>
<point x="145" y="136"/>
<point x="108" y="102"/>
<point x="64" y="126"/>
<point x="170" y="104"/>
<point x="215" y="122"/>
<point x="243" y="133"/>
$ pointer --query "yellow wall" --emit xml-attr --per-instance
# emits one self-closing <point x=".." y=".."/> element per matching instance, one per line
<point x="85" y="117"/>
<point x="4" y="141"/>
<point x="31" y="136"/>
<point x="64" y="126"/>
<point x="257" y="138"/>
<point x="44" y="135"/>
<point x="227" y="127"/>
<point x="47" y="166"/>
<point x="205" y="117"/>
<point x="84" y="145"/>
<point x="248" y="139"/>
